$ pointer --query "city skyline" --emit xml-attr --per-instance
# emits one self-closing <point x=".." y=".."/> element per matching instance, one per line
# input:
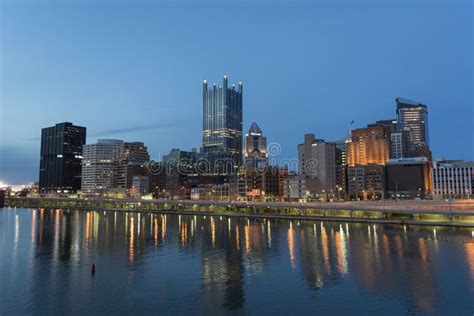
<point x="303" y="96"/>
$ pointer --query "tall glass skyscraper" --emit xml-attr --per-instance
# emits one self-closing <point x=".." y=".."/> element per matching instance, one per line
<point x="61" y="157"/>
<point x="414" y="116"/>
<point x="222" y="125"/>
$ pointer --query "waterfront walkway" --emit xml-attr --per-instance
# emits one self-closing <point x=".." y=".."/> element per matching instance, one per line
<point x="420" y="212"/>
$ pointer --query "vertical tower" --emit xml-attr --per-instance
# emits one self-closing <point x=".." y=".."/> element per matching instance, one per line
<point x="255" y="153"/>
<point x="317" y="163"/>
<point x="98" y="165"/>
<point x="413" y="115"/>
<point x="222" y="125"/>
<point x="61" y="157"/>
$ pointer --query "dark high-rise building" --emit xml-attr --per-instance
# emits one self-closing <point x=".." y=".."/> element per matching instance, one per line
<point x="61" y="157"/>
<point x="341" y="169"/>
<point x="222" y="126"/>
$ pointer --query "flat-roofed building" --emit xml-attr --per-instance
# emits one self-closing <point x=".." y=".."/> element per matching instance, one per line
<point x="453" y="179"/>
<point x="408" y="178"/>
<point x="366" y="182"/>
<point x="98" y="165"/>
<point x="368" y="145"/>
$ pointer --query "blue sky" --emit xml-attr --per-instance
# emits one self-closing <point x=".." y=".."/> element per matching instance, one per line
<point x="134" y="70"/>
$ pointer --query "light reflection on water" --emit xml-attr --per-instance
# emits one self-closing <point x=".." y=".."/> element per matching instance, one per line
<point x="179" y="263"/>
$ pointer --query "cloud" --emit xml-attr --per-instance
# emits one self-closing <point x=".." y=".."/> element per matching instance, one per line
<point x="124" y="130"/>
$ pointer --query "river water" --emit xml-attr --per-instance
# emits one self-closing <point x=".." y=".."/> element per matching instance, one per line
<point x="168" y="264"/>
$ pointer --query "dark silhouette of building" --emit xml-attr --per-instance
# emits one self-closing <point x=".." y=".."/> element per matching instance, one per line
<point x="408" y="178"/>
<point x="2" y="198"/>
<point x="341" y="169"/>
<point x="61" y="157"/>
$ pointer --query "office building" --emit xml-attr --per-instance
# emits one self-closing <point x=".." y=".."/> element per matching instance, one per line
<point x="408" y="178"/>
<point x="222" y="127"/>
<point x="98" y="165"/>
<point x="132" y="161"/>
<point x="400" y="143"/>
<point x="255" y="153"/>
<point x="453" y="179"/>
<point x="294" y="189"/>
<point x="61" y="158"/>
<point x="369" y="145"/>
<point x="366" y="182"/>
<point x="317" y="163"/>
<point x="414" y="116"/>
<point x="273" y="183"/>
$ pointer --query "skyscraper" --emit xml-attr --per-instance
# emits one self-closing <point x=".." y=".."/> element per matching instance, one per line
<point x="61" y="157"/>
<point x="413" y="115"/>
<point x="255" y="153"/>
<point x="222" y="126"/>
<point x="98" y="165"/>
<point x="317" y="163"/>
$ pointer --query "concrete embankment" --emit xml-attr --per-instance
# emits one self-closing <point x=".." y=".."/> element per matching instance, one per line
<point x="414" y="213"/>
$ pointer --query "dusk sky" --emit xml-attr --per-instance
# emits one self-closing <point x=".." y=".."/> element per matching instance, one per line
<point x="133" y="70"/>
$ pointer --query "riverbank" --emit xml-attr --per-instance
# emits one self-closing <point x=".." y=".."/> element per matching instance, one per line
<point x="435" y="213"/>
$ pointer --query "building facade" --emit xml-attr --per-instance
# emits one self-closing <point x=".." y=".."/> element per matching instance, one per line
<point x="408" y="178"/>
<point x="400" y="143"/>
<point x="294" y="188"/>
<point x="61" y="158"/>
<point x="317" y="163"/>
<point x="369" y="145"/>
<point x="341" y="169"/>
<point x="222" y="127"/>
<point x="255" y="153"/>
<point x="99" y="161"/>
<point x="132" y="161"/>
<point x="414" y="116"/>
<point x="366" y="182"/>
<point x="140" y="185"/>
<point x="453" y="179"/>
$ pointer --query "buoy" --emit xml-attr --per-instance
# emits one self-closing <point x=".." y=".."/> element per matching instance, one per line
<point x="93" y="268"/>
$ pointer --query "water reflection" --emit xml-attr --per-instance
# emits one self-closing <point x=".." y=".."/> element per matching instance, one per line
<point x="216" y="264"/>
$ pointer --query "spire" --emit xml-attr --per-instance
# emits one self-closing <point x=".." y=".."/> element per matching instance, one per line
<point x="254" y="129"/>
<point x="225" y="82"/>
